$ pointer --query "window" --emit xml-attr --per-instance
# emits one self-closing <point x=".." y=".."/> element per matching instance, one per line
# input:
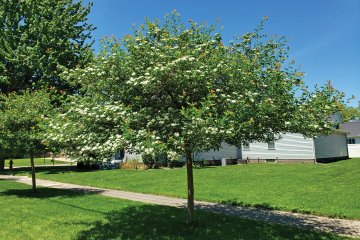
<point x="270" y="160"/>
<point x="271" y="145"/>
<point x="119" y="155"/>
<point x="351" y="141"/>
<point x="246" y="147"/>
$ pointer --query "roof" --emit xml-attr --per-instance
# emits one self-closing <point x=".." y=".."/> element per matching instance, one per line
<point x="352" y="127"/>
<point x="336" y="117"/>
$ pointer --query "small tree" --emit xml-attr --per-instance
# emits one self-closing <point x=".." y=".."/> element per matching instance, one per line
<point x="20" y="118"/>
<point x="3" y="154"/>
<point x="181" y="90"/>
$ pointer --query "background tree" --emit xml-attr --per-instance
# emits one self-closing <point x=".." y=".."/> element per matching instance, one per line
<point x="38" y="39"/>
<point x="181" y="90"/>
<point x="350" y="113"/>
<point x="21" y="116"/>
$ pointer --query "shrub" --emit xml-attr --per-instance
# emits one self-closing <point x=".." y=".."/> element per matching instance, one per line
<point x="149" y="161"/>
<point x="176" y="163"/>
<point x="87" y="166"/>
<point x="133" y="165"/>
<point x="198" y="163"/>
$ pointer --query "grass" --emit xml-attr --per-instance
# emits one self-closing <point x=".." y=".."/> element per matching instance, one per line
<point x="64" y="214"/>
<point x="322" y="189"/>
<point x="38" y="162"/>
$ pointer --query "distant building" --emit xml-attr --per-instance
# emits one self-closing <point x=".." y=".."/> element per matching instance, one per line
<point x="353" y="138"/>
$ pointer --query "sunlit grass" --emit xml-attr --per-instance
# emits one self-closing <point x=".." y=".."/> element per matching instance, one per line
<point x="323" y="189"/>
<point x="25" y="162"/>
<point x="64" y="214"/>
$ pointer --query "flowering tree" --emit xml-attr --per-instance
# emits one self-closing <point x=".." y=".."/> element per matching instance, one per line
<point x="87" y="132"/>
<point x="179" y="89"/>
<point x="21" y="117"/>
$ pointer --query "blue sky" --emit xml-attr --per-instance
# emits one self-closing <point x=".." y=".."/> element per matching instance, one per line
<point x="324" y="34"/>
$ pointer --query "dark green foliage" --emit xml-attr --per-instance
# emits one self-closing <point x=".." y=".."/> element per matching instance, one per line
<point x="39" y="39"/>
<point x="350" y="113"/>
<point x="149" y="161"/>
<point x="176" y="164"/>
<point x="20" y="118"/>
<point x="2" y="163"/>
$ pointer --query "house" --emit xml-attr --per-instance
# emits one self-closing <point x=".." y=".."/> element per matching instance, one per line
<point x="289" y="148"/>
<point x="294" y="147"/>
<point x="353" y="137"/>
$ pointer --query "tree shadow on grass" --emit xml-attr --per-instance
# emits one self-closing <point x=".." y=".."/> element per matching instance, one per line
<point x="56" y="170"/>
<point x="46" y="170"/>
<point x="159" y="222"/>
<point x="53" y="195"/>
<point x="46" y="193"/>
<point x="303" y="221"/>
<point x="40" y="169"/>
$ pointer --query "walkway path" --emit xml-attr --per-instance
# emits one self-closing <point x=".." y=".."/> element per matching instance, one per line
<point x="339" y="226"/>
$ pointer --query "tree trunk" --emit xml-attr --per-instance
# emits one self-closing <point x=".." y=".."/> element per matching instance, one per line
<point x="190" y="186"/>
<point x="2" y="164"/>
<point x="33" y="172"/>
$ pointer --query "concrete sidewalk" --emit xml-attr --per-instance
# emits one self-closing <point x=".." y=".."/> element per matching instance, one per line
<point x="339" y="226"/>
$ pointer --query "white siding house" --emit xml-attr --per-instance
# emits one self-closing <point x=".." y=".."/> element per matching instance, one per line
<point x="290" y="146"/>
<point x="128" y="156"/>
<point x="353" y="137"/>
<point x="334" y="145"/>
<point x="225" y="151"/>
<point x="354" y="150"/>
<point x="294" y="147"/>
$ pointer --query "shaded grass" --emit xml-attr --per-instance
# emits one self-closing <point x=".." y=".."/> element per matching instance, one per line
<point x="64" y="214"/>
<point x="322" y="189"/>
<point x="38" y="161"/>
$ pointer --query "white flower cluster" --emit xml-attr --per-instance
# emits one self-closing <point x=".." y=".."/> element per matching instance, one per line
<point x="88" y="133"/>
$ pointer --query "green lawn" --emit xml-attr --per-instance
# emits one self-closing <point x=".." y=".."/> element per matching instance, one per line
<point x="323" y="189"/>
<point x="63" y="214"/>
<point x="38" y="161"/>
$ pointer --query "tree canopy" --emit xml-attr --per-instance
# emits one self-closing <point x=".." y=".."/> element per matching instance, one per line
<point x="86" y="131"/>
<point x="39" y="39"/>
<point x="21" y="118"/>
<point x="180" y="89"/>
<point x="350" y="113"/>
